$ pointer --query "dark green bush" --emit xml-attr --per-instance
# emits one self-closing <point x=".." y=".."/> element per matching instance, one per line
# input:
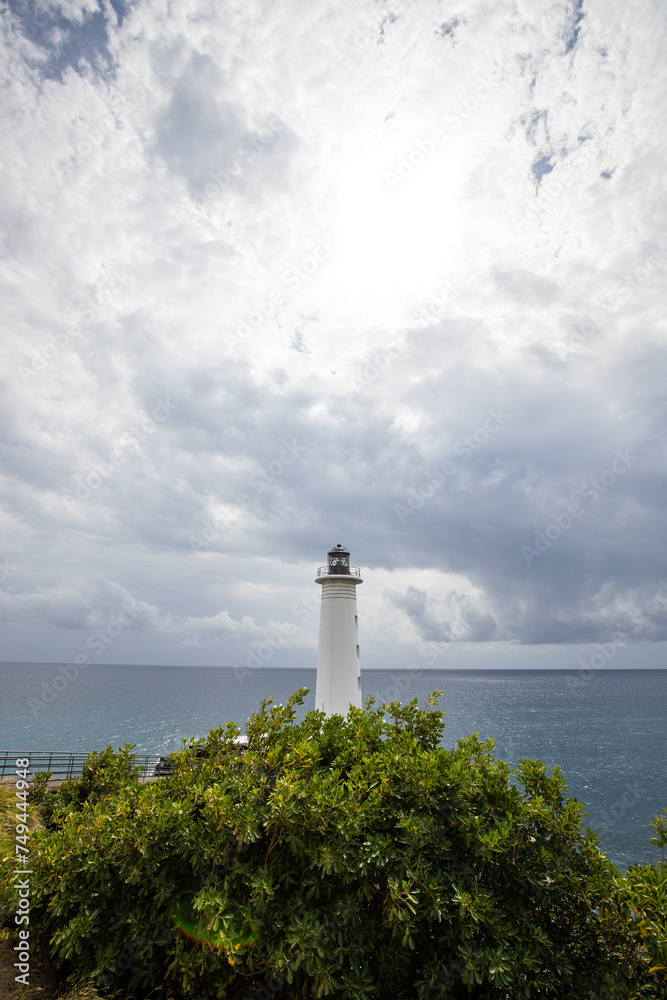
<point x="345" y="857"/>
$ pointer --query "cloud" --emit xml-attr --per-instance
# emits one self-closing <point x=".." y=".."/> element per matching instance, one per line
<point x="463" y="621"/>
<point x="196" y="209"/>
<point x="101" y="603"/>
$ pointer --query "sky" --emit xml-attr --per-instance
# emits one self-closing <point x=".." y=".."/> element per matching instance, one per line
<point x="279" y="275"/>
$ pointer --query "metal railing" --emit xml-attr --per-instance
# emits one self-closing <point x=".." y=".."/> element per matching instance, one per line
<point x="63" y="764"/>
<point x="351" y="571"/>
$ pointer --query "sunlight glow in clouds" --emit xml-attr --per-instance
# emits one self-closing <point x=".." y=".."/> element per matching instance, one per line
<point x="396" y="244"/>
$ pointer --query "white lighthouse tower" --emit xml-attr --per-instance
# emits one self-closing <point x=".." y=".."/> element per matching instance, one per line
<point x="338" y="668"/>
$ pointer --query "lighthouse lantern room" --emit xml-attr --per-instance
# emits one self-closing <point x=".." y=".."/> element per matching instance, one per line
<point x="338" y="666"/>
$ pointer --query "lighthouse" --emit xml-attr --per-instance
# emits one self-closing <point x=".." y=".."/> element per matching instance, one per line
<point x="338" y="667"/>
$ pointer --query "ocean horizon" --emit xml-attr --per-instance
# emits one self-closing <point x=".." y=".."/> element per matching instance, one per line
<point x="604" y="728"/>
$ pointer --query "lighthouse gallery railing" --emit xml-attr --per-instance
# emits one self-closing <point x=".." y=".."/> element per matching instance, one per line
<point x="350" y="571"/>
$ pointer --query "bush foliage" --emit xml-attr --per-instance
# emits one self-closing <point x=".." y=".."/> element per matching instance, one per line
<point x="344" y="857"/>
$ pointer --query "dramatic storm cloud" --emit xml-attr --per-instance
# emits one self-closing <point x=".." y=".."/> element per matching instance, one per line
<point x="276" y="276"/>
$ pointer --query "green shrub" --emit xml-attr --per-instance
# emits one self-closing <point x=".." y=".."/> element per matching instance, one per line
<point x="636" y="917"/>
<point x="103" y="774"/>
<point x="345" y="857"/>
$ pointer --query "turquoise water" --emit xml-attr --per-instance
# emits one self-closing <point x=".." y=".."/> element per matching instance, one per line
<point x="606" y="732"/>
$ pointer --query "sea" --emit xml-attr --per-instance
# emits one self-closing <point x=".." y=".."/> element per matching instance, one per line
<point x="605" y="729"/>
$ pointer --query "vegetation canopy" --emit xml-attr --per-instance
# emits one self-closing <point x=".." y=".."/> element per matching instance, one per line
<point x="343" y="857"/>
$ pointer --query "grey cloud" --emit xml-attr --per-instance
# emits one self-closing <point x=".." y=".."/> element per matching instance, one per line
<point x="413" y="603"/>
<point x="207" y="138"/>
<point x="464" y="620"/>
<point x="200" y="131"/>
